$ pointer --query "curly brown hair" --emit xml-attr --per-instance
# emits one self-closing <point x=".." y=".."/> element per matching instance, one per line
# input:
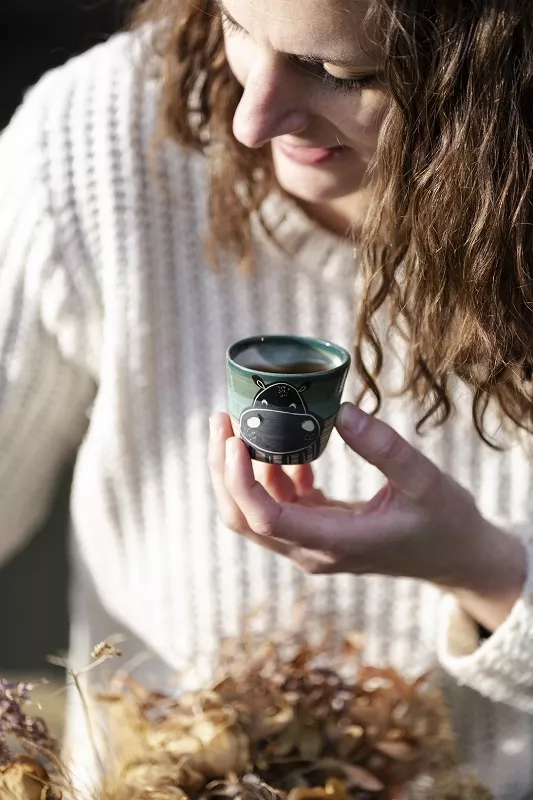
<point x="448" y="245"/>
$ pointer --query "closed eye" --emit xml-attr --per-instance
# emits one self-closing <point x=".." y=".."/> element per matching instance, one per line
<point x="264" y="402"/>
<point x="313" y="66"/>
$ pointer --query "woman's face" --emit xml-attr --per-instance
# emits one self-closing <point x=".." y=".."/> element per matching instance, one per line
<point x="311" y="88"/>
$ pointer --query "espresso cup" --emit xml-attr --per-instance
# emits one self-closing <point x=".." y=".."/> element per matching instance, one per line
<point x="284" y="393"/>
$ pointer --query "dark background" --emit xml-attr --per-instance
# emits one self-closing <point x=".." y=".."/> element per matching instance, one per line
<point x="35" y="36"/>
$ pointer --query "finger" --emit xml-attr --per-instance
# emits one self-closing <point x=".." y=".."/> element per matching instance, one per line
<point x="380" y="445"/>
<point x="303" y="478"/>
<point x="271" y="544"/>
<point x="328" y="529"/>
<point x="220" y="431"/>
<point x="252" y="499"/>
<point x="278" y="483"/>
<point x="314" y="562"/>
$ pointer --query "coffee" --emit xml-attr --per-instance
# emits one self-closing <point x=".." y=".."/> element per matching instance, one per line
<point x="283" y="356"/>
<point x="298" y="368"/>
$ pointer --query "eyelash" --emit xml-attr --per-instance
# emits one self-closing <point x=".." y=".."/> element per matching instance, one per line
<point x="346" y="85"/>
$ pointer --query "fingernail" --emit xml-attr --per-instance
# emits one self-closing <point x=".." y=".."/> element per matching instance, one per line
<point x="352" y="418"/>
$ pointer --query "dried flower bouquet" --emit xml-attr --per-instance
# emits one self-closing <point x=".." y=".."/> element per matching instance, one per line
<point x="280" y="722"/>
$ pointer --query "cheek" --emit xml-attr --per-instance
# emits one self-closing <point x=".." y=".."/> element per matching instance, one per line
<point x="362" y="119"/>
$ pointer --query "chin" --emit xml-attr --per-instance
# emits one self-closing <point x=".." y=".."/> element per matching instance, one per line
<point x="315" y="184"/>
<point x="315" y="189"/>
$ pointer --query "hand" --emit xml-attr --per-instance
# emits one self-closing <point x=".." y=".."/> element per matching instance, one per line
<point x="421" y="524"/>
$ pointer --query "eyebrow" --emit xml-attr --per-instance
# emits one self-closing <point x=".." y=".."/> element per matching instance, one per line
<point x="308" y="57"/>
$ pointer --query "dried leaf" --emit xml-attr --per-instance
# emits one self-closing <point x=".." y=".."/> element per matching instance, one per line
<point x="363" y="779"/>
<point x="336" y="790"/>
<point x="188" y="779"/>
<point x="158" y="778"/>
<point x="265" y="726"/>
<point x="308" y="793"/>
<point x="353" y="644"/>
<point x="302" y="658"/>
<point x="287" y="741"/>
<point x="24" y="779"/>
<point x="227" y="752"/>
<point x="310" y="743"/>
<point x="399" y="751"/>
<point x="350" y="740"/>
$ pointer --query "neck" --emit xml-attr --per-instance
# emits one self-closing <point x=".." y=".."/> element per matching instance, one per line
<point x="344" y="215"/>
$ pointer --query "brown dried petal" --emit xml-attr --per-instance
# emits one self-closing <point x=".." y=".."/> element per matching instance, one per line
<point x="287" y="741"/>
<point x="154" y="779"/>
<point x="268" y="725"/>
<point x="228" y="752"/>
<point x="302" y="658"/>
<point x="24" y="779"/>
<point x="399" y="751"/>
<point x="182" y="746"/>
<point x="311" y="742"/>
<point x="353" y="644"/>
<point x="349" y="741"/>
<point x="355" y="777"/>
<point x="363" y="779"/>
<point x="389" y="676"/>
<point x="368" y="715"/>
<point x="336" y="789"/>
<point x="308" y="793"/>
<point x="189" y="779"/>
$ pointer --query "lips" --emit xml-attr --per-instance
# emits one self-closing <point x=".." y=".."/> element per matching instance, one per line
<point x="310" y="156"/>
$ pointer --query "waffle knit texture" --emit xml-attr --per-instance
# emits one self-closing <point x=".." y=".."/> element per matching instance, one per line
<point x="113" y="331"/>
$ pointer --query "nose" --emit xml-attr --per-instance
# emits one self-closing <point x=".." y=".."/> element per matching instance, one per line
<point x="271" y="104"/>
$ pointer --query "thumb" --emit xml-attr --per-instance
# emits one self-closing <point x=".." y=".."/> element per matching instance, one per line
<point x="401" y="463"/>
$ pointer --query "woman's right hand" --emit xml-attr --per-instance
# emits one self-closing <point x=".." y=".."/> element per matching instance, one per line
<point x="290" y="484"/>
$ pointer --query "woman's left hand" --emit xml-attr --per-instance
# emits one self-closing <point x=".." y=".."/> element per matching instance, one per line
<point x="421" y="524"/>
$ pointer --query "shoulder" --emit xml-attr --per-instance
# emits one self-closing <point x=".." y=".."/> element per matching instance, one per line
<point x="104" y="99"/>
<point x="85" y="87"/>
<point x="94" y="123"/>
<point x="97" y="112"/>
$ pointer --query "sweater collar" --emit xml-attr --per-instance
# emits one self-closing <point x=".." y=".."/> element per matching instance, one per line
<point x="330" y="254"/>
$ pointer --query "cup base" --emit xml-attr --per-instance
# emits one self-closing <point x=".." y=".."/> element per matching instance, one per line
<point x="303" y="456"/>
<point x="286" y="459"/>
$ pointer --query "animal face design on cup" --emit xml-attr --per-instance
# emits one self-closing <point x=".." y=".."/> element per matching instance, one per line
<point x="279" y="427"/>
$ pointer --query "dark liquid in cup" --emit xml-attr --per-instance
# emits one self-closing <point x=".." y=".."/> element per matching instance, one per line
<point x="296" y="368"/>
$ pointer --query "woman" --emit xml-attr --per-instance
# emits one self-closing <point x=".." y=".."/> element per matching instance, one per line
<point x="113" y="329"/>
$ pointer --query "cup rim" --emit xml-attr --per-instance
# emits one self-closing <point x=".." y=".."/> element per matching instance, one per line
<point x="308" y="340"/>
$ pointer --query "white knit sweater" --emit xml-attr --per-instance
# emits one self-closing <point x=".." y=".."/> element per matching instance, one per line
<point x="113" y="331"/>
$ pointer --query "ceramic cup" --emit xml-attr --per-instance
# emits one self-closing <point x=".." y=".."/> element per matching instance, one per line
<point x="284" y="393"/>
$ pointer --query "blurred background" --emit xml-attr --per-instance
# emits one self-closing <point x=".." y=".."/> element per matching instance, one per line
<point x="35" y="36"/>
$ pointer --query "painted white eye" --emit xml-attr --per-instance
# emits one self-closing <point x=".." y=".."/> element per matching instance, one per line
<point x="293" y="405"/>
<point x="264" y="402"/>
<point x="253" y="422"/>
<point x="308" y="425"/>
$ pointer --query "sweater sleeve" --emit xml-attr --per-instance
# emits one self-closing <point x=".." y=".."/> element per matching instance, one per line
<point x="500" y="667"/>
<point x="44" y="393"/>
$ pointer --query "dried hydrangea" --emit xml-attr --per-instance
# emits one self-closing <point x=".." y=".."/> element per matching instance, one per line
<point x="279" y="724"/>
<point x="282" y="721"/>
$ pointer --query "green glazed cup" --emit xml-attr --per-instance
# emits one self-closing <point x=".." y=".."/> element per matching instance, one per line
<point x="284" y="393"/>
